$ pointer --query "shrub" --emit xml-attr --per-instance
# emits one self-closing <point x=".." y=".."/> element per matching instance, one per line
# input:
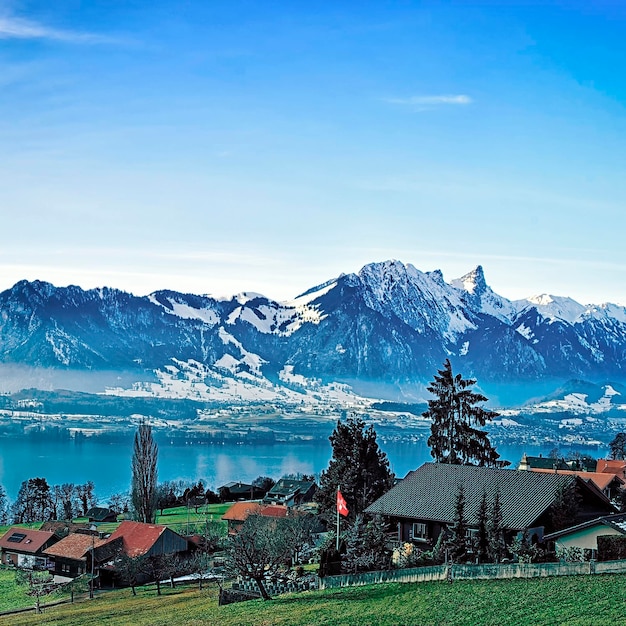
<point x="611" y="548"/>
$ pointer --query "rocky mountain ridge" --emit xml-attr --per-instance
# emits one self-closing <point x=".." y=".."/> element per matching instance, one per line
<point x="388" y="325"/>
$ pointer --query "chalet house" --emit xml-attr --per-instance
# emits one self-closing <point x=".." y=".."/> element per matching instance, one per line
<point x="422" y="505"/>
<point x="72" y="555"/>
<point x="609" y="484"/>
<point x="585" y="535"/>
<point x="101" y="514"/>
<point x="232" y="492"/>
<point x="239" y="512"/>
<point x="23" y="547"/>
<point x="289" y="492"/>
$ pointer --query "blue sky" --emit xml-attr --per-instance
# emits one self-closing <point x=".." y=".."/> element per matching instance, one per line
<point x="222" y="146"/>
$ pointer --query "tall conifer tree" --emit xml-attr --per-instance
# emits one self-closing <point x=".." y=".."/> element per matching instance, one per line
<point x="458" y="541"/>
<point x="358" y="465"/>
<point x="482" y="536"/>
<point x="456" y="415"/>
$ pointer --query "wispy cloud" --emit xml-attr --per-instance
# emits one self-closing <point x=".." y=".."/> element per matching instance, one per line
<point x="18" y="28"/>
<point x="428" y="102"/>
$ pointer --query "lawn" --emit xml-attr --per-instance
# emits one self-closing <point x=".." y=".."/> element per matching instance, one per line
<point x="179" y="517"/>
<point x="13" y="596"/>
<point x="576" y="601"/>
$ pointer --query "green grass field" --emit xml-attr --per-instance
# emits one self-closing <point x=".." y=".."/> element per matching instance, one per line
<point x="575" y="601"/>
<point x="13" y="596"/>
<point x="177" y="518"/>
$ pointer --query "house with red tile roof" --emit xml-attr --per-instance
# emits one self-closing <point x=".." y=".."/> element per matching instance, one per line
<point x="240" y="511"/>
<point x="612" y="466"/>
<point x="23" y="547"/>
<point x="136" y="539"/>
<point x="72" y="555"/>
<point x="139" y="539"/>
<point x="608" y="483"/>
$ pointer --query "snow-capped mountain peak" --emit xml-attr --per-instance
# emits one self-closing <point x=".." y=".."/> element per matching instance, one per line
<point x="554" y="308"/>
<point x="480" y="297"/>
<point x="473" y="282"/>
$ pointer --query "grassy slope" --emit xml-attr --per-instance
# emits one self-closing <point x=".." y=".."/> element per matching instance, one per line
<point x="576" y="601"/>
<point x="13" y="596"/>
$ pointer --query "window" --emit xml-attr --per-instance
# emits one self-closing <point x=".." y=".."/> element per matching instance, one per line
<point x="418" y="531"/>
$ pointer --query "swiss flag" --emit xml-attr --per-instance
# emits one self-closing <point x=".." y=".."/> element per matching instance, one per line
<point x="342" y="507"/>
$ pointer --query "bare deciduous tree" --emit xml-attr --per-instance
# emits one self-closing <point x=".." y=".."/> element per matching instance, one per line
<point x="259" y="549"/>
<point x="144" y="482"/>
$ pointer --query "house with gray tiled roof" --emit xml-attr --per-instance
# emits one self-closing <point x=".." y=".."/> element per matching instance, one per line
<point x="422" y="505"/>
<point x="291" y="492"/>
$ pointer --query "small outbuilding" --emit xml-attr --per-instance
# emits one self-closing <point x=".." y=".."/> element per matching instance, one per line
<point x="585" y="535"/>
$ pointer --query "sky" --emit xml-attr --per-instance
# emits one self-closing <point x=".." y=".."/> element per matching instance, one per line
<point x="221" y="146"/>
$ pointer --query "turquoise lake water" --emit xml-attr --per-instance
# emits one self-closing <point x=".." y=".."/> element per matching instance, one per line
<point x="108" y="464"/>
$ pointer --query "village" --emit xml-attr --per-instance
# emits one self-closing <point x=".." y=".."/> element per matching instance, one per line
<point x="467" y="515"/>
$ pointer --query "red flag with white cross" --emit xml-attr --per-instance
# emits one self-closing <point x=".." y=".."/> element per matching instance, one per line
<point x="342" y="507"/>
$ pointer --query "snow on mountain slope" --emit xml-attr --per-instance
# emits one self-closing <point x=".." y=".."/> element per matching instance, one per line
<point x="420" y="300"/>
<point x="271" y="317"/>
<point x="176" y="306"/>
<point x="197" y="381"/>
<point x="251" y="362"/>
<point x="553" y="308"/>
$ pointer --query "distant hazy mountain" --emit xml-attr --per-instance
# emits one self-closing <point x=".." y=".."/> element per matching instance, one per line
<point x="390" y="324"/>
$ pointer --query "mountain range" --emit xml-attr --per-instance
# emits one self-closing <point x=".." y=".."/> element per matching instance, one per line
<point x="383" y="331"/>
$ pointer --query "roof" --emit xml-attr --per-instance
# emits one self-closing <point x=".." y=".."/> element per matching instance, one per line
<point x="430" y="493"/>
<point x="138" y="537"/>
<point x="240" y="511"/>
<point x="75" y="546"/>
<point x="600" y="479"/>
<point x="287" y="486"/>
<point x="234" y="487"/>
<point x="542" y="462"/>
<point x="618" y="522"/>
<point x="25" y="539"/>
<point x="61" y="528"/>
<point x="99" y="513"/>
<point x="611" y="466"/>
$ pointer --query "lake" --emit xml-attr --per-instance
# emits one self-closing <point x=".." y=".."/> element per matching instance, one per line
<point x="108" y="464"/>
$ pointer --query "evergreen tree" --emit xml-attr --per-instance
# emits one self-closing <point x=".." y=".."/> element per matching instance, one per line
<point x="144" y="481"/>
<point x="458" y="540"/>
<point x="455" y="415"/>
<point x="565" y="507"/>
<point x="618" y="446"/>
<point x="358" y="465"/>
<point x="482" y="537"/>
<point x="366" y="546"/>
<point x="497" y="545"/>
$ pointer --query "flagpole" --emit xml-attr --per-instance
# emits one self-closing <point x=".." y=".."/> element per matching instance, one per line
<point x="337" y="507"/>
